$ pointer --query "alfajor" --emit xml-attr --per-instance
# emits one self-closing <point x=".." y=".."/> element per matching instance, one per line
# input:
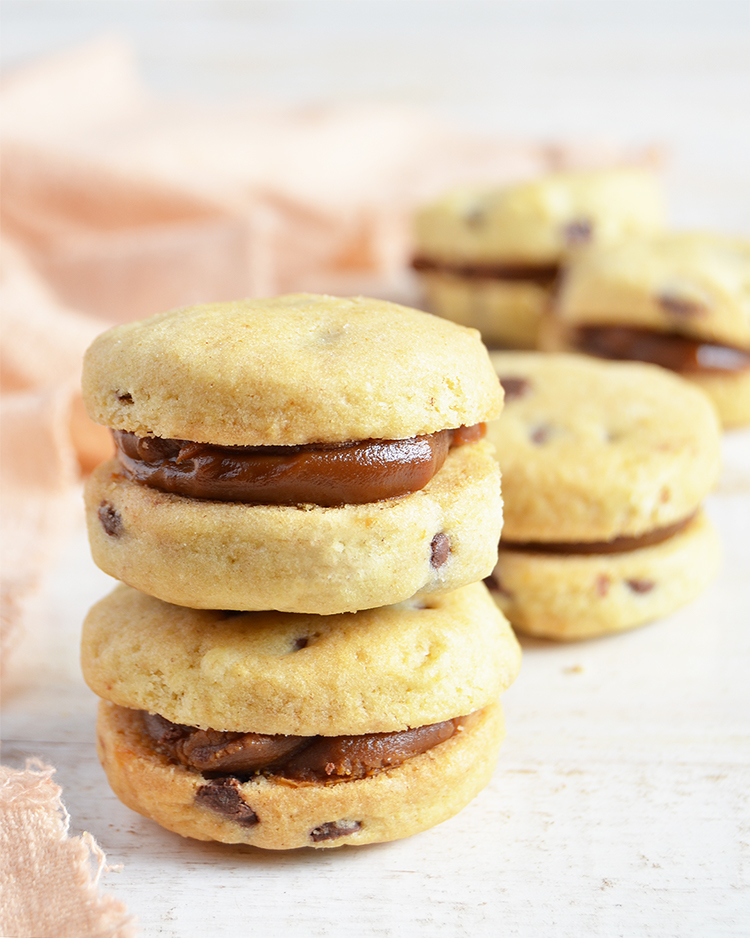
<point x="284" y="730"/>
<point x="680" y="300"/>
<point x="604" y="468"/>
<point x="304" y="453"/>
<point x="488" y="256"/>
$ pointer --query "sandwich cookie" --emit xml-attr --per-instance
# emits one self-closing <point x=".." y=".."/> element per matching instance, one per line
<point x="488" y="257"/>
<point x="284" y="730"/>
<point x="604" y="468"/>
<point x="679" y="300"/>
<point x="304" y="453"/>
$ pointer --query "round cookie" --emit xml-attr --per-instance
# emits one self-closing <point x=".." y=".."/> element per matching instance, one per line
<point x="568" y="597"/>
<point x="217" y="408"/>
<point x="680" y="300"/>
<point x="488" y="256"/>
<point x="264" y="812"/>
<point x="215" y="675"/>
<point x="539" y="221"/>
<point x="289" y="371"/>
<point x="225" y="555"/>
<point x="592" y="450"/>
<point x="604" y="466"/>
<point x="375" y="671"/>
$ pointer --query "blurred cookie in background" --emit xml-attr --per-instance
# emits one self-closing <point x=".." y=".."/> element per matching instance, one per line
<point x="604" y="467"/>
<point x="679" y="299"/>
<point x="488" y="256"/>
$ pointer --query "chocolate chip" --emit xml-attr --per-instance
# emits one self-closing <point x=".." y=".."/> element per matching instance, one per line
<point x="333" y="829"/>
<point x="578" y="231"/>
<point x="441" y="548"/>
<point x="111" y="519"/>
<point x="641" y="586"/>
<point x="515" y="388"/>
<point x="300" y="643"/>
<point x="124" y="397"/>
<point x="494" y="583"/>
<point x="541" y="434"/>
<point x="678" y="306"/>
<point x="475" y="217"/>
<point x="222" y="795"/>
<point x="602" y="585"/>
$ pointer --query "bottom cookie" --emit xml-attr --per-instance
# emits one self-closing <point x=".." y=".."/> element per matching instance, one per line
<point x="567" y="597"/>
<point x="279" y="814"/>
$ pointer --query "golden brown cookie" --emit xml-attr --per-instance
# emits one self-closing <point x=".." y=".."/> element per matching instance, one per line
<point x="280" y="815"/>
<point x="284" y="730"/>
<point x="574" y="596"/>
<point x="225" y="555"/>
<point x="592" y="450"/>
<point x="368" y="672"/>
<point x="289" y="371"/>
<point x="679" y="300"/>
<point x="304" y="453"/>
<point x="604" y="467"/>
<point x="488" y="256"/>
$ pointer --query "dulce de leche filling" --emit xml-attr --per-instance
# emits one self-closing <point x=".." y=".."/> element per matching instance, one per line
<point x="542" y="274"/>
<point x="299" y="758"/>
<point x="617" y="545"/>
<point x="668" y="349"/>
<point x="325" y="474"/>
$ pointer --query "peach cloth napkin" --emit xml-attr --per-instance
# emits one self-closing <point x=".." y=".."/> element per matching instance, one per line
<point x="64" y="899"/>
<point x="116" y="206"/>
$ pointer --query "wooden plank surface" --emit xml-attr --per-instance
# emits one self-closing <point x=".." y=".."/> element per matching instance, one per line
<point x="619" y="805"/>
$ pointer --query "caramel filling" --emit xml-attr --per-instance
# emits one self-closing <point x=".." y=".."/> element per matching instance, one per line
<point x="542" y="274"/>
<point x="322" y="474"/>
<point x="616" y="546"/>
<point x="299" y="758"/>
<point x="668" y="349"/>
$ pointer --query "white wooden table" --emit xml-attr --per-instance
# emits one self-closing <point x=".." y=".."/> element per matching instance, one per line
<point x="619" y="806"/>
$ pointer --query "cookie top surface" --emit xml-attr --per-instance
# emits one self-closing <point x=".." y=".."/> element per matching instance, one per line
<point x="380" y="670"/>
<point x="540" y="221"/>
<point x="592" y="450"/>
<point x="289" y="370"/>
<point x="696" y="284"/>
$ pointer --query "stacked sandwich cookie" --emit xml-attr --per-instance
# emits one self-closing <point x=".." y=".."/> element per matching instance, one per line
<point x="489" y="256"/>
<point x="680" y="300"/>
<point x="604" y="467"/>
<point x="301" y="505"/>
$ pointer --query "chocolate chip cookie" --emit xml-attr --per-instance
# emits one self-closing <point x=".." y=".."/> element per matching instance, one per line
<point x="303" y="453"/>
<point x="604" y="468"/>
<point x="488" y="256"/>
<point x="680" y="300"/>
<point x="284" y="730"/>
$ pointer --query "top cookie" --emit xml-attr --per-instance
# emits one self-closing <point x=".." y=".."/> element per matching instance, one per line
<point x="541" y="221"/>
<point x="695" y="284"/>
<point x="289" y="370"/>
<point x="592" y="450"/>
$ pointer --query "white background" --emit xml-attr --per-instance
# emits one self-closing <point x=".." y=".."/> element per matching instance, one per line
<point x="620" y="803"/>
